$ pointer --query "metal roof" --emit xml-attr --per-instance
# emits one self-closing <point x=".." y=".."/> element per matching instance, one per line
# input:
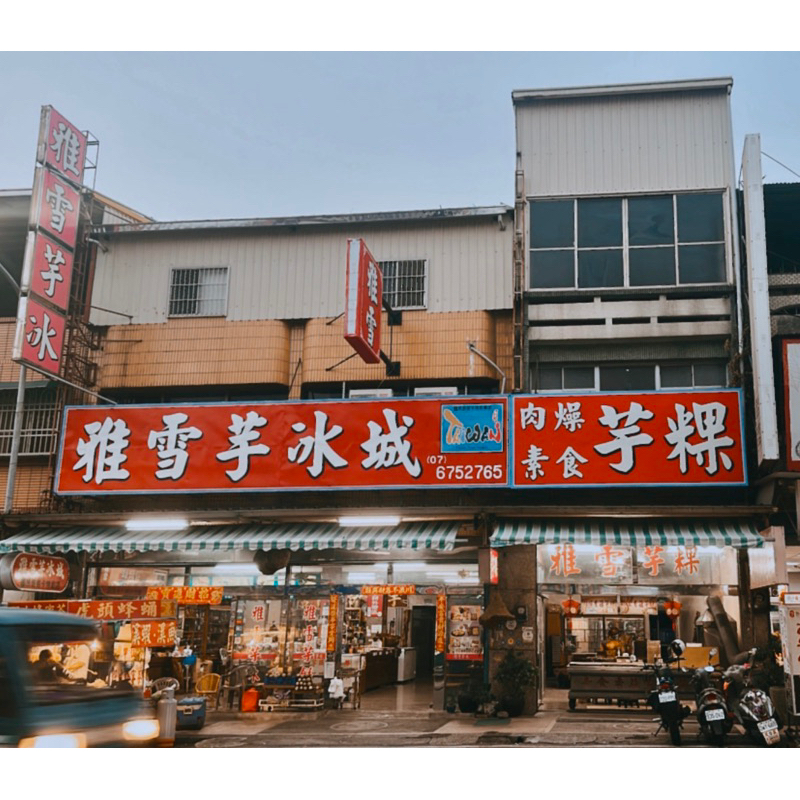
<point x="631" y="532"/>
<point x="650" y="87"/>
<point x="379" y="217"/>
<point x="221" y="538"/>
<point x="25" y="616"/>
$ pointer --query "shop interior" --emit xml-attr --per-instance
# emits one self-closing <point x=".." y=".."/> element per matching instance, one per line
<point x="382" y="646"/>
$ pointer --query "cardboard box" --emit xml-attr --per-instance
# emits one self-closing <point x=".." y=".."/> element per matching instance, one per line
<point x="653" y="651"/>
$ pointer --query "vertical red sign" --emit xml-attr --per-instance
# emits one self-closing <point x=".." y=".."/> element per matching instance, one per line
<point x="441" y="622"/>
<point x="48" y="273"/>
<point x="58" y="208"/>
<point x="65" y="145"/>
<point x="333" y="618"/>
<point x="39" y="338"/>
<point x="363" y="302"/>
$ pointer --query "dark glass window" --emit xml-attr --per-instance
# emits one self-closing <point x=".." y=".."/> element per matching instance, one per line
<point x="552" y="269"/>
<point x="650" y="220"/>
<point x="600" y="223"/>
<point x="700" y="218"/>
<point x="6" y="695"/>
<point x="652" y="266"/>
<point x="622" y="379"/>
<point x="710" y="375"/>
<point x="552" y="223"/>
<point x="600" y="268"/>
<point x="549" y="378"/>
<point x="579" y="377"/>
<point x="676" y="376"/>
<point x="701" y="263"/>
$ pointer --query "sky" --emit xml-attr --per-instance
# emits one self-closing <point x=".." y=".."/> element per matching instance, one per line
<point x="213" y="135"/>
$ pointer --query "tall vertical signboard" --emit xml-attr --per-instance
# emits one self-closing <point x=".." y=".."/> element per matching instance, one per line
<point x="363" y="302"/>
<point x="50" y="246"/>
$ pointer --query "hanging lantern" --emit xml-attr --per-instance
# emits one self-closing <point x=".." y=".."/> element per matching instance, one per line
<point x="571" y="607"/>
<point x="672" y="608"/>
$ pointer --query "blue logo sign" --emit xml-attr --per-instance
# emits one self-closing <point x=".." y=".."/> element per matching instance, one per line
<point x="472" y="428"/>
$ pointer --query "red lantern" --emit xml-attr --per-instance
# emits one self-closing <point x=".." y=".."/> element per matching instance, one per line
<point x="571" y="607"/>
<point x="672" y="608"/>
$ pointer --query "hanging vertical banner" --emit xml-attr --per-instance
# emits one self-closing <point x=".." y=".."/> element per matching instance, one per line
<point x="441" y="622"/>
<point x="39" y="336"/>
<point x="48" y="271"/>
<point x="363" y="302"/>
<point x="333" y="617"/>
<point x="61" y="145"/>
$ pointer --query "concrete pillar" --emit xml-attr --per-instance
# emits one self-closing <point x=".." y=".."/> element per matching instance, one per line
<point x="517" y="587"/>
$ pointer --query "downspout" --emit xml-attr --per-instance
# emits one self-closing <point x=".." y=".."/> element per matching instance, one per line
<point x="733" y="207"/>
<point x="471" y="347"/>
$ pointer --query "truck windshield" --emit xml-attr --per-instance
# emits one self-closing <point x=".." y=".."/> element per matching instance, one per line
<point x="65" y="665"/>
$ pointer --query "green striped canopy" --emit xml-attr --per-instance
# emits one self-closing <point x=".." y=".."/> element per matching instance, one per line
<point x="634" y="532"/>
<point x="215" y="538"/>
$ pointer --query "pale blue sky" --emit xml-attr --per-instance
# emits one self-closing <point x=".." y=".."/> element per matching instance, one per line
<point x="207" y="135"/>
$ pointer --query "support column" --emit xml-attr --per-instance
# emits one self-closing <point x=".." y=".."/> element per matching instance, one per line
<point x="517" y="587"/>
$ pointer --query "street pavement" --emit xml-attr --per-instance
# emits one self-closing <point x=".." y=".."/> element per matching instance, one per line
<point x="587" y="726"/>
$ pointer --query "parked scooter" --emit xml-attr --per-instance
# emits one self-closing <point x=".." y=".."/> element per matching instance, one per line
<point x="752" y="707"/>
<point x="664" y="697"/>
<point x="713" y="714"/>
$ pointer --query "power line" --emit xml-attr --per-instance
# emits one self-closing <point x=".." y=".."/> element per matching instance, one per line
<point x="778" y="162"/>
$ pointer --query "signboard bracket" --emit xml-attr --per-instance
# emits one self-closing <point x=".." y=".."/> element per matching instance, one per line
<point x="393" y="316"/>
<point x="392" y="367"/>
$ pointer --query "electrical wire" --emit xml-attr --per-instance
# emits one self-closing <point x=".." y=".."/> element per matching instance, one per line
<point x="778" y="162"/>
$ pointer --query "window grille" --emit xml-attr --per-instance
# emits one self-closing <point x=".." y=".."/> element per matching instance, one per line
<point x="198" y="292"/>
<point x="38" y="424"/>
<point x="404" y="283"/>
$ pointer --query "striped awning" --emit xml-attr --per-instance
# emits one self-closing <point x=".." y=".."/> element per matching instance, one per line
<point x="209" y="538"/>
<point x="633" y="532"/>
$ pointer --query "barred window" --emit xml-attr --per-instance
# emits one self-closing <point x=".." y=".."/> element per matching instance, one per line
<point x="630" y="377"/>
<point x="38" y="422"/>
<point x="405" y="283"/>
<point x="198" y="292"/>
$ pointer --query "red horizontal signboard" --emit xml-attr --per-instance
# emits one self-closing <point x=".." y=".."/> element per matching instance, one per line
<point x="284" y="446"/>
<point x="654" y="438"/>
<point x="107" y="609"/>
<point x="34" y="573"/>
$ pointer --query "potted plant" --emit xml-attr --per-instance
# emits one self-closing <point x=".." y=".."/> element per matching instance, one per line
<point x="473" y="697"/>
<point x="515" y="674"/>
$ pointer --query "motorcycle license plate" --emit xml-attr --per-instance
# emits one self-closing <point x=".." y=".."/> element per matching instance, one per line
<point x="715" y="714"/>
<point x="666" y="697"/>
<point x="768" y="725"/>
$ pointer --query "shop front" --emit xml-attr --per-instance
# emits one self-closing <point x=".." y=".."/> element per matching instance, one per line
<point x="374" y="608"/>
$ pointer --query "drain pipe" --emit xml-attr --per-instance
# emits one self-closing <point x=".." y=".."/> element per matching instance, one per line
<point x="471" y="347"/>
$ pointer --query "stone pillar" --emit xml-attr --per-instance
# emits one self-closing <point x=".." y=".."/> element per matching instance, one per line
<point x="517" y="587"/>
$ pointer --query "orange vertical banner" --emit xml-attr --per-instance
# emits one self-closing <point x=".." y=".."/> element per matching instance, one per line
<point x="333" y="617"/>
<point x="441" y="622"/>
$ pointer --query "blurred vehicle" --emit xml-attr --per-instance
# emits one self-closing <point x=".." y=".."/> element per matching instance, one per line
<point x="55" y="692"/>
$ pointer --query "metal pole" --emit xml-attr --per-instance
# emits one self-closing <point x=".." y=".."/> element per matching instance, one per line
<point x="15" y="440"/>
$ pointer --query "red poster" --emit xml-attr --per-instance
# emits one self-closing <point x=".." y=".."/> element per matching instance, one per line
<point x="655" y="438"/>
<point x="65" y="146"/>
<point x="363" y="302"/>
<point x="187" y="595"/>
<point x="50" y="271"/>
<point x="405" y="588"/>
<point x="58" y="208"/>
<point x="153" y="634"/>
<point x="283" y="446"/>
<point x="27" y="572"/>
<point x="39" y="338"/>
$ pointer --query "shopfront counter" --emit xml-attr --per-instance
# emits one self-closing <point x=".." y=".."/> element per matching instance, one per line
<point x="380" y="668"/>
<point x="617" y="681"/>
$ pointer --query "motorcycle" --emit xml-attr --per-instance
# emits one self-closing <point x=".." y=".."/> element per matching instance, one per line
<point x="664" y="698"/>
<point x="713" y="714"/>
<point x="752" y="707"/>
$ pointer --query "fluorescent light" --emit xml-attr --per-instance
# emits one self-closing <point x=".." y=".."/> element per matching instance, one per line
<point x="172" y="524"/>
<point x="386" y="521"/>
<point x="230" y="569"/>
<point x="361" y="576"/>
<point x="409" y="566"/>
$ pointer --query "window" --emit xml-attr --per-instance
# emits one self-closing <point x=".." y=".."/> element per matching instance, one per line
<point x="630" y="377"/>
<point x="200" y="292"/>
<point x="658" y="240"/>
<point x="404" y="283"/>
<point x="38" y="422"/>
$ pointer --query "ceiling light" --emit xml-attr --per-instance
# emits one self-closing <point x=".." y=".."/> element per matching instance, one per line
<point x="385" y="521"/>
<point x="172" y="524"/>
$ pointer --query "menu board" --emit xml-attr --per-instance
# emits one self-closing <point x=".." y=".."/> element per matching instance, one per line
<point x="464" y="633"/>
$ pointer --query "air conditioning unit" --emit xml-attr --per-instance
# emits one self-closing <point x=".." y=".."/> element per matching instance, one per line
<point x="370" y="393"/>
<point x="423" y="390"/>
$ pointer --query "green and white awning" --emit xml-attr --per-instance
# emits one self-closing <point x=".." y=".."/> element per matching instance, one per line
<point x="220" y="538"/>
<point x="633" y="532"/>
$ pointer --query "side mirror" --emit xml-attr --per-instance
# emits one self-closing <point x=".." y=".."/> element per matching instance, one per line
<point x="678" y="646"/>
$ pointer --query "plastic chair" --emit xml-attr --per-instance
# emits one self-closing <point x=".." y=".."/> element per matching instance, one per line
<point x="159" y="684"/>
<point x="208" y="685"/>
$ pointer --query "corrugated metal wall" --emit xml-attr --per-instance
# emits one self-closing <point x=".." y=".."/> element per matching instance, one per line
<point x="283" y="274"/>
<point x="639" y="143"/>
